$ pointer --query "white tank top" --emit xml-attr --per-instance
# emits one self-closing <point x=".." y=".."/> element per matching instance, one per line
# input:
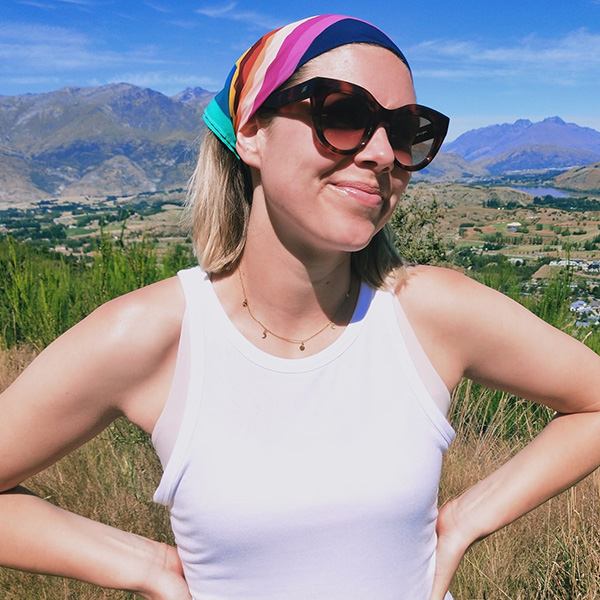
<point x="301" y="479"/>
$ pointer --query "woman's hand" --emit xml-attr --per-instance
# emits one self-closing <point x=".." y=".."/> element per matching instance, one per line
<point x="165" y="579"/>
<point x="451" y="547"/>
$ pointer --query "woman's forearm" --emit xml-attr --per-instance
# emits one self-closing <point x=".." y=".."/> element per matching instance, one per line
<point x="566" y="451"/>
<point x="42" y="538"/>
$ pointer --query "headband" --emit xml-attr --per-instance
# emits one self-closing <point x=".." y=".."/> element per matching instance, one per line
<point x="274" y="58"/>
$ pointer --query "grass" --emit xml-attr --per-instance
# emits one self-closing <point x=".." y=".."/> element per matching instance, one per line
<point x="43" y="293"/>
<point x="111" y="479"/>
<point x="553" y="553"/>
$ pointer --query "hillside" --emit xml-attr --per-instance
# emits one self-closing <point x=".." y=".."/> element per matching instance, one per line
<point x="585" y="179"/>
<point x="536" y="157"/>
<point x="56" y="143"/>
<point x="449" y="166"/>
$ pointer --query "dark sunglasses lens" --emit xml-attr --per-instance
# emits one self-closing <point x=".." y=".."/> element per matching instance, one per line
<point x="412" y="138"/>
<point x="344" y="121"/>
<point x="344" y="118"/>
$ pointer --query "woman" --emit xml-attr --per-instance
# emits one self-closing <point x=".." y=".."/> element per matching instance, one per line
<point x="297" y="410"/>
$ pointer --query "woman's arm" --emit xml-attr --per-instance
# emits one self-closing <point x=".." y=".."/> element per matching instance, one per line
<point x="564" y="453"/>
<point x="118" y="361"/>
<point x="495" y="341"/>
<point x="42" y="538"/>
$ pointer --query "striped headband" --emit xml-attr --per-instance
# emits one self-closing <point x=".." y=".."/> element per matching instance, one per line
<point x="274" y="58"/>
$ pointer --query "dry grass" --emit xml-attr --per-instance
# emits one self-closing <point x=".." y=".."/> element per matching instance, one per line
<point x="551" y="554"/>
<point x="110" y="479"/>
<point x="12" y="362"/>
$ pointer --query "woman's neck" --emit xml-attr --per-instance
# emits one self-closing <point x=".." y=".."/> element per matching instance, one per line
<point x="290" y="288"/>
<point x="275" y="300"/>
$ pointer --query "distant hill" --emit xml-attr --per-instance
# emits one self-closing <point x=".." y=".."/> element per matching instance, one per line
<point x="117" y="137"/>
<point x="449" y="166"/>
<point x="523" y="145"/>
<point x="585" y="179"/>
<point x="537" y="157"/>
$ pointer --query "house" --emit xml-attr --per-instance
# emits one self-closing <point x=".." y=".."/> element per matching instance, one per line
<point x="578" y="306"/>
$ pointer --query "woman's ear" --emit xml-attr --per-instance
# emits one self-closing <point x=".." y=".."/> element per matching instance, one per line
<point x="248" y="142"/>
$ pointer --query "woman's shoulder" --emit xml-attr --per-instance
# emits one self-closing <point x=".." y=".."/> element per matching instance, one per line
<point x="163" y="301"/>
<point x="127" y="346"/>
<point x="453" y="302"/>
<point x="425" y="287"/>
<point x="470" y="329"/>
<point x="451" y="315"/>
<point x="150" y="314"/>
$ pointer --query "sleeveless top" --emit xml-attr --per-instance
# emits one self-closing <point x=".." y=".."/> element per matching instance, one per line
<point x="300" y="479"/>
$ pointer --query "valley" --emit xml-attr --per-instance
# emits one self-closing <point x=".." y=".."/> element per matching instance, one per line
<point x="481" y="228"/>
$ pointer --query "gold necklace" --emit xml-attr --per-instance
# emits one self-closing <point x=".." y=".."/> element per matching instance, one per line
<point x="302" y="343"/>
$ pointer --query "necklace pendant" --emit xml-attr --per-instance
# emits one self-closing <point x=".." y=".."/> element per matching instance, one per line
<point x="302" y="347"/>
<point x="264" y="334"/>
<point x="245" y="303"/>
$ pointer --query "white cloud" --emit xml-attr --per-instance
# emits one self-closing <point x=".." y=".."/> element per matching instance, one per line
<point x="230" y="11"/>
<point x="36" y="4"/>
<point x="78" y="2"/>
<point x="567" y="60"/>
<point x="38" y="82"/>
<point x="217" y="11"/>
<point x="25" y="33"/>
<point x="158" y="7"/>
<point x="42" y="48"/>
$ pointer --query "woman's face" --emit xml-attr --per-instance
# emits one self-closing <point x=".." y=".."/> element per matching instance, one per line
<point x="317" y="199"/>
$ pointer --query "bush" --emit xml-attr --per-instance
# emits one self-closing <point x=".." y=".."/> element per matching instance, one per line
<point x="45" y="293"/>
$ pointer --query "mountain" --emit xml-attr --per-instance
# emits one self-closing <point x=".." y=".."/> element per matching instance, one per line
<point x="537" y="157"/>
<point x="195" y="95"/>
<point x="68" y="141"/>
<point x="523" y="145"/>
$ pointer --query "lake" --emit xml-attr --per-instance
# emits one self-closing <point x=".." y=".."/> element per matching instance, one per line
<point x="543" y="191"/>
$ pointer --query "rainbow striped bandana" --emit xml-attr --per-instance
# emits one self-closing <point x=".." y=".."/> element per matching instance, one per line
<point x="274" y="58"/>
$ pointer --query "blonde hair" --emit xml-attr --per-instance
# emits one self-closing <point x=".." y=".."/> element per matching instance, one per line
<point x="218" y="207"/>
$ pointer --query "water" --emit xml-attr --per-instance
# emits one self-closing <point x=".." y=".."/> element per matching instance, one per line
<point x="543" y="191"/>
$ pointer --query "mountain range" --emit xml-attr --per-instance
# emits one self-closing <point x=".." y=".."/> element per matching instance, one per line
<point x="114" y="139"/>
<point x="121" y="139"/>
<point x="523" y="145"/>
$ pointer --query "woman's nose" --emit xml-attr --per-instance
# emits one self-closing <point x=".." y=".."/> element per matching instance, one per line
<point x="378" y="151"/>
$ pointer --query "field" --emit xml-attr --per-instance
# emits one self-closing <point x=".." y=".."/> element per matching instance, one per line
<point x="77" y="253"/>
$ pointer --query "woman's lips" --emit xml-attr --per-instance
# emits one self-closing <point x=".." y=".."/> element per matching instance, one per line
<point x="363" y="192"/>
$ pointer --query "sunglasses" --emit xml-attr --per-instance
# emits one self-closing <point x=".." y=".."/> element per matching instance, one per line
<point x="345" y="116"/>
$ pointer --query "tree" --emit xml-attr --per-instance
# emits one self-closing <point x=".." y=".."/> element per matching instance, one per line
<point x="417" y="238"/>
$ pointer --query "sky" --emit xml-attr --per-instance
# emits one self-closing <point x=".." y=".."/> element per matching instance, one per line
<point x="480" y="62"/>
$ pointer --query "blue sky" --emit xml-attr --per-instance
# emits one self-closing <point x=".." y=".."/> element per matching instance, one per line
<point x="479" y="62"/>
